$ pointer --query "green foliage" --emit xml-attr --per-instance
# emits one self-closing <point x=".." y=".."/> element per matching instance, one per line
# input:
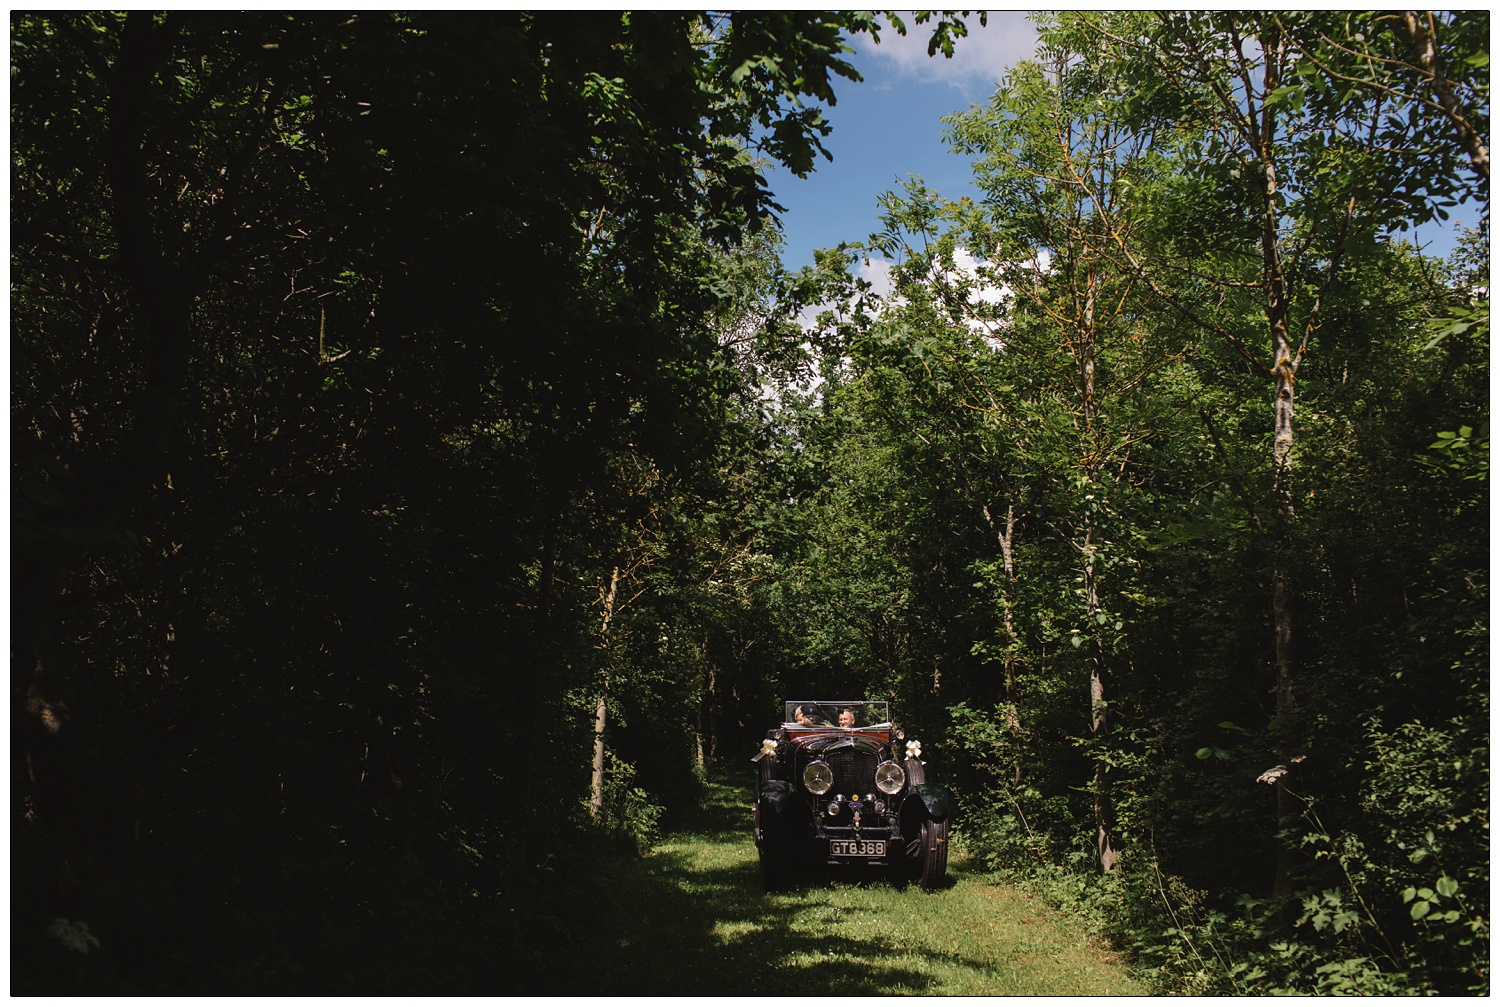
<point x="629" y="811"/>
<point x="351" y="355"/>
<point x="375" y="340"/>
<point x="1464" y="451"/>
<point x="1119" y="250"/>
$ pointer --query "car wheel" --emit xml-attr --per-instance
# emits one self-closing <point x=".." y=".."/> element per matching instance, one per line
<point x="775" y="867"/>
<point x="775" y="857"/>
<point x="916" y="775"/>
<point x="932" y="859"/>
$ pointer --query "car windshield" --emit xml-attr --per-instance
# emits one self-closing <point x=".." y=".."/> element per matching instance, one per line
<point x="833" y="713"/>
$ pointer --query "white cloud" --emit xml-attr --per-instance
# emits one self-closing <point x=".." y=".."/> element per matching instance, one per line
<point x="965" y="270"/>
<point x="979" y="60"/>
<point x="875" y="270"/>
<point x="878" y="273"/>
<point x="966" y="266"/>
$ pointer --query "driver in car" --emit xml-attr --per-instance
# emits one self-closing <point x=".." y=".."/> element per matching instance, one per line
<point x="846" y="717"/>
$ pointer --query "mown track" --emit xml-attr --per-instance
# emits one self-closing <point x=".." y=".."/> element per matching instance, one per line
<point x="692" y="918"/>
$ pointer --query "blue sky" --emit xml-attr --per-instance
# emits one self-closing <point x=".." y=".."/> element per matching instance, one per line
<point x="888" y="127"/>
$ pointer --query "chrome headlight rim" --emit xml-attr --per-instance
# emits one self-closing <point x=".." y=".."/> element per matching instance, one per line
<point x="818" y="778"/>
<point x="890" y="778"/>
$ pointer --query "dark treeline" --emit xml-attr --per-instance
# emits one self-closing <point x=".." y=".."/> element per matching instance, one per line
<point x="421" y="479"/>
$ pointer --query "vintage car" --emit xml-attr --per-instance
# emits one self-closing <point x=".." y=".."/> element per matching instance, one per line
<point x="838" y="784"/>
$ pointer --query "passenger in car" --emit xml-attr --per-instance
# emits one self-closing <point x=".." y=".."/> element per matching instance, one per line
<point x="846" y="717"/>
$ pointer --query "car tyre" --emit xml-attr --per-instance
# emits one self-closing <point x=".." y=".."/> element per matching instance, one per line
<point x="928" y="853"/>
<point x="775" y="867"/>
<point x="932" y="860"/>
<point x="775" y="862"/>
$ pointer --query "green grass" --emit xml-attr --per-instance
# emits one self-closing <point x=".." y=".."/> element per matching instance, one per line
<point x="693" y="918"/>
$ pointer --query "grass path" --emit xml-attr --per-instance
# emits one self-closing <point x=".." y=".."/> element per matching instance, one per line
<point x="693" y="919"/>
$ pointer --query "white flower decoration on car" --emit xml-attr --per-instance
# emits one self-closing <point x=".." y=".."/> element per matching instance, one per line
<point x="913" y="749"/>
<point x="768" y="747"/>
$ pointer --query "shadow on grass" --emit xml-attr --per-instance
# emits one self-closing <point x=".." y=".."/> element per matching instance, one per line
<point x="694" y="918"/>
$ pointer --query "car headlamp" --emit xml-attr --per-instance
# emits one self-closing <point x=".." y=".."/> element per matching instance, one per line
<point x="889" y="778"/>
<point x="817" y="778"/>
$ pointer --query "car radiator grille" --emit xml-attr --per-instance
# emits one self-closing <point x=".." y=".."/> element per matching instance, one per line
<point x="853" y="771"/>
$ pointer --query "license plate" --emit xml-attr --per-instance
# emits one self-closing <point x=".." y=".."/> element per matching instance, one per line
<point x="856" y="847"/>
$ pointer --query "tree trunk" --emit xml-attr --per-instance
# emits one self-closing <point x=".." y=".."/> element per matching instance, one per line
<point x="1284" y="377"/>
<point x="39" y="709"/>
<point x="55" y="770"/>
<point x="713" y="711"/>
<point x="1415" y="27"/>
<point x="700" y="731"/>
<point x="1007" y="539"/>
<point x="707" y="743"/>
<point x="596" y="782"/>
<point x="1098" y="706"/>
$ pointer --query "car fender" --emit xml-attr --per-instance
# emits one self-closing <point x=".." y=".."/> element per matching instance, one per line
<point x="777" y="796"/>
<point x="937" y="800"/>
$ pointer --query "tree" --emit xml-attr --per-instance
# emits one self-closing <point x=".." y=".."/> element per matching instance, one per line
<point x="319" y="383"/>
<point x="1308" y="185"/>
<point x="943" y="398"/>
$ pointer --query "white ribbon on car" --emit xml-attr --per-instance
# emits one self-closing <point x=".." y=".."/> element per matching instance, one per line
<point x="913" y="749"/>
<point x="768" y="747"/>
